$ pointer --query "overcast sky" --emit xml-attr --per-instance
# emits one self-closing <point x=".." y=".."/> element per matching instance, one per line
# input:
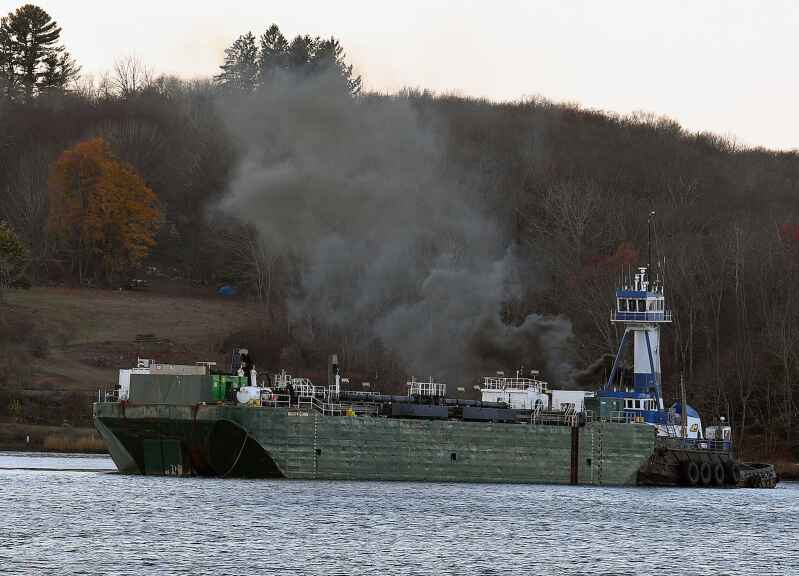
<point x="724" y="66"/>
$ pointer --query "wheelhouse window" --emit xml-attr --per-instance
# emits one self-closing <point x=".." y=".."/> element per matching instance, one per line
<point x="622" y="305"/>
<point x="642" y="305"/>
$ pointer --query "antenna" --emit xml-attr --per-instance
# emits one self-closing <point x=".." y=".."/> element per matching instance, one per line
<point x="650" y="223"/>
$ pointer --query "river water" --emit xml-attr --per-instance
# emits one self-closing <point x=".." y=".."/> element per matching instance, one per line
<point x="69" y="515"/>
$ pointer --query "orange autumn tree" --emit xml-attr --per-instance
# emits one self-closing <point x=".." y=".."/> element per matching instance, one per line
<point x="102" y="214"/>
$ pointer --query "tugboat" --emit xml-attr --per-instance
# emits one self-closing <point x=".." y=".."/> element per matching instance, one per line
<point x="683" y="455"/>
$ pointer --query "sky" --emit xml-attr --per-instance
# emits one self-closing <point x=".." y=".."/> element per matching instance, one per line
<point x="727" y="67"/>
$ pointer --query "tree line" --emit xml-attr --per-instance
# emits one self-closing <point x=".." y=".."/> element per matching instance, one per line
<point x="571" y="187"/>
<point x="248" y="65"/>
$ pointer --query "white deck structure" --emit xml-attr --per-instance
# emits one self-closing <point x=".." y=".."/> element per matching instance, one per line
<point x="565" y="400"/>
<point x="427" y="389"/>
<point x="146" y="366"/>
<point x="517" y="392"/>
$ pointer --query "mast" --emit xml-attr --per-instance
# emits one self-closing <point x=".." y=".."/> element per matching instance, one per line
<point x="683" y="407"/>
<point x="650" y="223"/>
<point x="641" y="309"/>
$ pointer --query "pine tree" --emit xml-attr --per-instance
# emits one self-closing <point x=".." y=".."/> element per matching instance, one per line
<point x="248" y="67"/>
<point x="59" y="70"/>
<point x="330" y="54"/>
<point x="9" y="82"/>
<point x="31" y="60"/>
<point x="273" y="54"/>
<point x="301" y="53"/>
<point x="240" y="69"/>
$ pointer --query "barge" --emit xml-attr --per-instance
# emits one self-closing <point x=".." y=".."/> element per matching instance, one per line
<point x="191" y="420"/>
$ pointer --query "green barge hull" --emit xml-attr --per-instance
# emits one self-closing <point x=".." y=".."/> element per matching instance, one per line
<point x="260" y="442"/>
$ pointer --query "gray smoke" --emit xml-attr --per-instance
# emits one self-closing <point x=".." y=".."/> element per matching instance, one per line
<point x="393" y="240"/>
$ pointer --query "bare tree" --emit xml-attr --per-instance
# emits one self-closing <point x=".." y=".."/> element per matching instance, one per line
<point x="131" y="76"/>
<point x="25" y="198"/>
<point x="254" y="263"/>
<point x="744" y="361"/>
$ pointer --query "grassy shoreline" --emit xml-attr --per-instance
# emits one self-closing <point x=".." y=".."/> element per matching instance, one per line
<point x="16" y="437"/>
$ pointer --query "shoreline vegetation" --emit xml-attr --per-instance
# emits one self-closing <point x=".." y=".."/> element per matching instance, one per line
<point x="36" y="438"/>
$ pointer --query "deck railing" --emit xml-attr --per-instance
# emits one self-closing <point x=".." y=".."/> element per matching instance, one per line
<point x="336" y="408"/>
<point x="652" y="316"/>
<point x="695" y="444"/>
<point x="557" y="418"/>
<point x="619" y="417"/>
<point x="276" y="401"/>
<point x="427" y="389"/>
<point x="108" y="394"/>
<point x="501" y="383"/>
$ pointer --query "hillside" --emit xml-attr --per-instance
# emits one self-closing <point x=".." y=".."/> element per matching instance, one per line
<point x="66" y="344"/>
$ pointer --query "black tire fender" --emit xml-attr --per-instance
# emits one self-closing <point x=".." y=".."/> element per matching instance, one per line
<point x="691" y="473"/>
<point x="718" y="474"/>
<point x="705" y="473"/>
<point x="735" y="473"/>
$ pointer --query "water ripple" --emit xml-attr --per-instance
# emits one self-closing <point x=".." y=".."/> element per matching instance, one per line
<point x="57" y="520"/>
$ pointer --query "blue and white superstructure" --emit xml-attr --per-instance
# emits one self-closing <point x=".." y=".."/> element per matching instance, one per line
<point x="641" y="309"/>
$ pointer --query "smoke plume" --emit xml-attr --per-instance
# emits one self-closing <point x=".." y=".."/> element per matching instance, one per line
<point x="390" y="230"/>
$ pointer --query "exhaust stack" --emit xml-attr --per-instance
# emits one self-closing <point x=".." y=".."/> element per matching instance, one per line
<point x="333" y="376"/>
